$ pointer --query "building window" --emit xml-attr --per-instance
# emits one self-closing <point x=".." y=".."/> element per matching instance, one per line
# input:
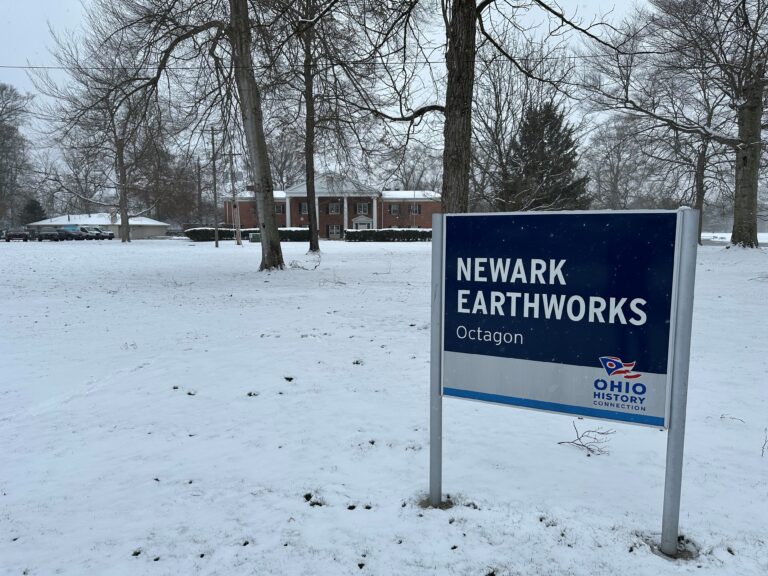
<point x="333" y="208"/>
<point x="303" y="208"/>
<point x="279" y="208"/>
<point x="394" y="209"/>
<point x="334" y="230"/>
<point x="414" y="209"/>
<point x="362" y="207"/>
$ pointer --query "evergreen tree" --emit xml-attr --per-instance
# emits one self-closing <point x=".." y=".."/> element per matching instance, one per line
<point x="32" y="212"/>
<point x="545" y="155"/>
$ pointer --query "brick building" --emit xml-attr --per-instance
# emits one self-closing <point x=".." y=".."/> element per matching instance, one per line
<point x="248" y="213"/>
<point x="342" y="203"/>
<point x="408" y="208"/>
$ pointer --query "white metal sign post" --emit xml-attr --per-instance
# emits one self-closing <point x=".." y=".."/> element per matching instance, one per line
<point x="581" y="313"/>
<point x="686" y="271"/>
<point x="435" y="367"/>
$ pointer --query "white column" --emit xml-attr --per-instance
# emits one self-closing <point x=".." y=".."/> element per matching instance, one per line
<point x="346" y="217"/>
<point x="375" y="213"/>
<point x="287" y="212"/>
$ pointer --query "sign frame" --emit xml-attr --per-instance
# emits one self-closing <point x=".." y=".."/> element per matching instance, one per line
<point x="681" y="314"/>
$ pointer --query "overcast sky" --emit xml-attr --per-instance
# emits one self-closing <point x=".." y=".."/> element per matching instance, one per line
<point x="24" y="36"/>
<point x="25" y="39"/>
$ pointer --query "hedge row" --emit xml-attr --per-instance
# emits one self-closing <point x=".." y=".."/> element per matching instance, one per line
<point x="207" y="234"/>
<point x="389" y="235"/>
<point x="294" y="234"/>
<point x="302" y="234"/>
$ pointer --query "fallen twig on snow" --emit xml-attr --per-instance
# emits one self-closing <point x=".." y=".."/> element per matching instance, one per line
<point x="593" y="441"/>
<point x="728" y="417"/>
<point x="294" y="264"/>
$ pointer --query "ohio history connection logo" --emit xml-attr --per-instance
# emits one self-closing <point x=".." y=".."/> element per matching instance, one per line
<point x="622" y="390"/>
<point x="615" y="367"/>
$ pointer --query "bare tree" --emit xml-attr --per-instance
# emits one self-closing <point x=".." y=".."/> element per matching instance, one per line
<point x="238" y="31"/>
<point x="13" y="105"/>
<point x="693" y="170"/>
<point x="14" y="154"/>
<point x="286" y="157"/>
<point x="467" y="22"/>
<point x="499" y="102"/>
<point x="14" y="168"/>
<point x="84" y="173"/>
<point x="318" y="55"/>
<point x="622" y="176"/>
<point x="93" y="114"/>
<point x="726" y="42"/>
<point x="417" y="167"/>
<point x="502" y="95"/>
<point x="202" y="52"/>
<point x="166" y="181"/>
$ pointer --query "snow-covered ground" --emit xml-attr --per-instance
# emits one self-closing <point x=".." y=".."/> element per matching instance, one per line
<point x="166" y="409"/>
<point x="762" y="237"/>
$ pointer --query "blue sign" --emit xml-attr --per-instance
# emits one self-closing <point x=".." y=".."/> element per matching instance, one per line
<point x="565" y="312"/>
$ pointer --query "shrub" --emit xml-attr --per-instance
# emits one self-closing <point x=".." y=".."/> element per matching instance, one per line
<point x="389" y="235"/>
<point x="207" y="234"/>
<point x="294" y="234"/>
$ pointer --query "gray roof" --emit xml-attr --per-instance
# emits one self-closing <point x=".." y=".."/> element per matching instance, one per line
<point x="329" y="184"/>
<point x="100" y="219"/>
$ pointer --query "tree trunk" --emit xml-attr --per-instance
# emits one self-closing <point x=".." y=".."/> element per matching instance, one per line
<point x="506" y="204"/>
<point x="309" y="136"/>
<point x="122" y="190"/>
<point x="698" y="178"/>
<point x="614" y="193"/>
<point x="747" y="170"/>
<point x="457" y="133"/>
<point x="253" y="125"/>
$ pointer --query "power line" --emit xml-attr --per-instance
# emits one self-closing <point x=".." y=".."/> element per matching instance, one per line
<point x="296" y="66"/>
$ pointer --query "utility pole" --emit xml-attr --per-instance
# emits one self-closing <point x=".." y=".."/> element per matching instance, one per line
<point x="235" y="205"/>
<point x="215" y="195"/>
<point x="199" y="195"/>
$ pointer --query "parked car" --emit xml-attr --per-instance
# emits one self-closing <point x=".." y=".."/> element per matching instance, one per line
<point x="65" y="234"/>
<point x="108" y="234"/>
<point x="17" y="234"/>
<point x="52" y="234"/>
<point x="72" y="233"/>
<point x="88" y="234"/>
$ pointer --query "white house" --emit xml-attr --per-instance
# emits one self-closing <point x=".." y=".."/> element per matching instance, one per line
<point x="140" y="226"/>
<point x="337" y="195"/>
